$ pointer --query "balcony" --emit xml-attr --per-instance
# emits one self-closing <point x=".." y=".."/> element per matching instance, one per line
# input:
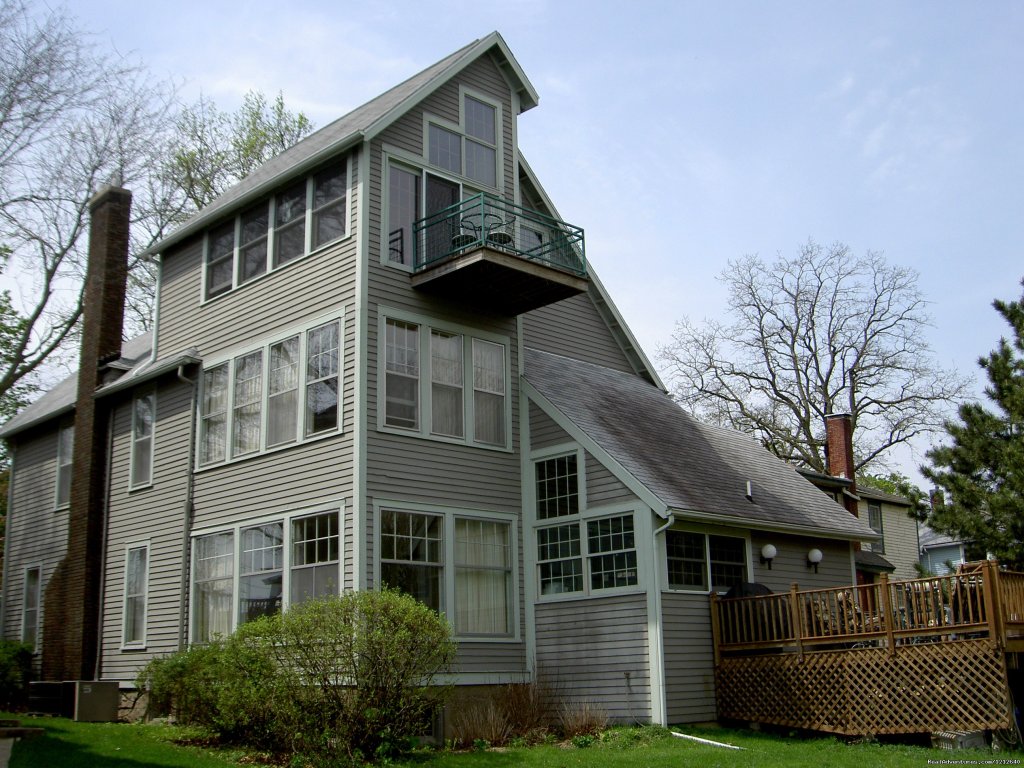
<point x="497" y="257"/>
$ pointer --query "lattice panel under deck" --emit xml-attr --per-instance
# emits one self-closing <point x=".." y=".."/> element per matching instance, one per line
<point x="922" y="688"/>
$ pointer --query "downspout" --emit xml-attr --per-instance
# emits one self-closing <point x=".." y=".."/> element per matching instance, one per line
<point x="186" y="540"/>
<point x="657" y="663"/>
<point x="668" y="524"/>
<point x="103" y="551"/>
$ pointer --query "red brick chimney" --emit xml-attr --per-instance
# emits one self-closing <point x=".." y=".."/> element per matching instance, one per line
<point x="71" y="610"/>
<point x="839" y="454"/>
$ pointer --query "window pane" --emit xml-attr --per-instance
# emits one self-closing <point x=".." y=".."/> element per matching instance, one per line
<point x="220" y="255"/>
<point x="214" y="568"/>
<point x="322" y="350"/>
<point x="479" y="119"/>
<point x="214" y="415"/>
<point x="328" y="205"/>
<point x="260" y="579"/>
<point x="290" y="224"/>
<point x="558" y="552"/>
<point x="445" y="148"/>
<point x="403" y="210"/>
<point x="481" y="163"/>
<point x="402" y="377"/>
<point x="446" y="372"/>
<point x="30" y="607"/>
<point x="483" y="577"/>
<point x="282" y="392"/>
<point x="314" y="557"/>
<point x="489" y="395"/>
<point x="557" y="489"/>
<point x="411" y="554"/>
<point x="65" y="454"/>
<point x="613" y="536"/>
<point x="135" y="596"/>
<point x="142" y="438"/>
<point x="253" y="247"/>
<point x="728" y="561"/>
<point x="248" y="400"/>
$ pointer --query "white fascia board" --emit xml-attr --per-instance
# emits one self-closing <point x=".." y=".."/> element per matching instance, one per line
<point x="611" y="464"/>
<point x="736" y="521"/>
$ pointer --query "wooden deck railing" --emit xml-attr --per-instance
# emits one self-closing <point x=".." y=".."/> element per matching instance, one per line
<point x="977" y="601"/>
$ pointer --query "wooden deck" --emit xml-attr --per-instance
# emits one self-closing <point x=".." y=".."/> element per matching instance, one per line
<point x="893" y="657"/>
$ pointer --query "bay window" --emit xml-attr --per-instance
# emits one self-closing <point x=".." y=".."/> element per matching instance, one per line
<point x="262" y="407"/>
<point x="438" y="402"/>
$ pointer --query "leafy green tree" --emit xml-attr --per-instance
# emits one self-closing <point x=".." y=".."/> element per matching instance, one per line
<point x="981" y="470"/>
<point x="898" y="484"/>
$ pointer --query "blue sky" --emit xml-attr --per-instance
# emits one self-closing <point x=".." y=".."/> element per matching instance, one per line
<point x="683" y="134"/>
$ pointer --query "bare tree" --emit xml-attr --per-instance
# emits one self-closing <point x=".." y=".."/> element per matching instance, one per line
<point x="824" y="332"/>
<point x="71" y="119"/>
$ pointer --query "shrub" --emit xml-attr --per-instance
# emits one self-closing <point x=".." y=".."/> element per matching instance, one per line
<point x="581" y="718"/>
<point x="481" y="720"/>
<point x="15" y="673"/>
<point x="352" y="674"/>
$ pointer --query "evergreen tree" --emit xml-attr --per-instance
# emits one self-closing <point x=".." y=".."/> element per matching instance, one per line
<point x="981" y="472"/>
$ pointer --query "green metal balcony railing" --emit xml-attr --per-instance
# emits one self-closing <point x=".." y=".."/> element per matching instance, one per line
<point x="488" y="221"/>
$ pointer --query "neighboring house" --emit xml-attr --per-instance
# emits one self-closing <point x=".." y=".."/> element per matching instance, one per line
<point x="889" y="517"/>
<point x="939" y="551"/>
<point x="383" y="359"/>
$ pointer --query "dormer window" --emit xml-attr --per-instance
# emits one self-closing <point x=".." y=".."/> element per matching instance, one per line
<point x="290" y="224"/>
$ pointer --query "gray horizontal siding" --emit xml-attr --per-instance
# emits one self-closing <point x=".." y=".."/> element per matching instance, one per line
<point x="603" y="487"/>
<point x="287" y="296"/>
<point x="586" y="647"/>
<point x="790" y="564"/>
<point x="574" y="328"/>
<point x="156" y="515"/>
<point x="36" y="534"/>
<point x="689" y="658"/>
<point x="544" y="432"/>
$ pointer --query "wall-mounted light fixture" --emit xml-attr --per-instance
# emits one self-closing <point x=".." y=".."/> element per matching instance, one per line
<point x="768" y="553"/>
<point x="813" y="558"/>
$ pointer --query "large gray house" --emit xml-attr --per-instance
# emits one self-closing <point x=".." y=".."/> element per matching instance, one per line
<point x="384" y="358"/>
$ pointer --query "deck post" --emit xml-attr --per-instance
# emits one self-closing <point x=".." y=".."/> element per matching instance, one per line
<point x="991" y="594"/>
<point x="794" y="617"/>
<point x="885" y="612"/>
<point x="716" y="634"/>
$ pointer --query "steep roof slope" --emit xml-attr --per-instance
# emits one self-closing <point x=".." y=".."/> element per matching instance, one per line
<point x="696" y="470"/>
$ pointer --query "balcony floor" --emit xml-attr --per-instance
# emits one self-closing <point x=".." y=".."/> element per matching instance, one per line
<point x="497" y="282"/>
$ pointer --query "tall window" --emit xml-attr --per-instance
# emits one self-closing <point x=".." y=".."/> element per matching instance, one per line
<point x="143" y="418"/>
<point x="220" y="254"/>
<point x="483" y="577"/>
<point x="260" y="571"/>
<point x="557" y="487"/>
<point x="252" y="246"/>
<point x="875" y="521"/>
<point x="612" y="552"/>
<point x="402" y="365"/>
<point x="446" y="374"/>
<point x="461" y="391"/>
<point x="693" y="558"/>
<point x="65" y="452"/>
<point x="403" y="210"/>
<point x="307" y="363"/>
<point x="214" y="587"/>
<point x="136" y="570"/>
<point x="411" y="554"/>
<point x="328" y="205"/>
<point x="314" y="557"/>
<point x="30" y="602"/>
<point x="559" y="559"/>
<point x="290" y="224"/>
<point x="471" y="151"/>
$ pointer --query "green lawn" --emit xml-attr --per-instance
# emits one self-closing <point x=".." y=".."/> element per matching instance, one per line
<point x="112" y="745"/>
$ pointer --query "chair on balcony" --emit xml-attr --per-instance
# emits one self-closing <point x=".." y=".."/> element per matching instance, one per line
<point x="499" y="231"/>
<point x="467" y="235"/>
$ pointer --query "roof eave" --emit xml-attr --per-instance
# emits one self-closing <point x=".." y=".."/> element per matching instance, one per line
<point x="739" y="521"/>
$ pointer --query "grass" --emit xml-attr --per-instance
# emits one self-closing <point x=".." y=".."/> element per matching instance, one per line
<point x="117" y="745"/>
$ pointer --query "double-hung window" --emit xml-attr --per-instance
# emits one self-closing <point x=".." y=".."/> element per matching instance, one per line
<point x="457" y="564"/>
<point x="705" y="562"/>
<point x="257" y="570"/>
<point x="65" y="452"/>
<point x="459" y="381"/>
<point x="143" y="419"/>
<point x="30" y="603"/>
<point x="296" y="220"/>
<point x="136" y="576"/>
<point x="875" y="521"/>
<point x="279" y="394"/>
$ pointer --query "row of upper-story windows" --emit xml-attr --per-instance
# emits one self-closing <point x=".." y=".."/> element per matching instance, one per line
<point x="289" y="224"/>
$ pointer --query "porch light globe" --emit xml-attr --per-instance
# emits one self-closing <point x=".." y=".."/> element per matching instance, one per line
<point x="768" y="552"/>
<point x="814" y="556"/>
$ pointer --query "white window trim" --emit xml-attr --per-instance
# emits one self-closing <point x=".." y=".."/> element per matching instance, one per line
<point x="460" y="129"/>
<point x="64" y="464"/>
<point x="285" y="518"/>
<point x="449" y="514"/>
<point x="138" y="644"/>
<point x="557" y="452"/>
<point x="147" y="392"/>
<point x="36" y="566"/>
<point x="426" y="324"/>
<point x="271" y="208"/>
<point x="229" y="357"/>
<point x="706" y="530"/>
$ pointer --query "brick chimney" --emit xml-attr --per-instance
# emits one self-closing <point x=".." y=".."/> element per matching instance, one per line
<point x="839" y="454"/>
<point x="71" y="610"/>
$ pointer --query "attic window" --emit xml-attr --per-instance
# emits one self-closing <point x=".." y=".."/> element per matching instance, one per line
<point x="469" y="149"/>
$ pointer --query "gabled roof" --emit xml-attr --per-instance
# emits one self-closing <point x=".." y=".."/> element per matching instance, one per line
<point x="349" y="130"/>
<point x="867" y="492"/>
<point x="138" y="368"/>
<point x="929" y="538"/>
<point x="691" y="469"/>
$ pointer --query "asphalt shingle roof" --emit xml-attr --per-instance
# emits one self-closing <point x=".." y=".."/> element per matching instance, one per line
<point x="690" y="466"/>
